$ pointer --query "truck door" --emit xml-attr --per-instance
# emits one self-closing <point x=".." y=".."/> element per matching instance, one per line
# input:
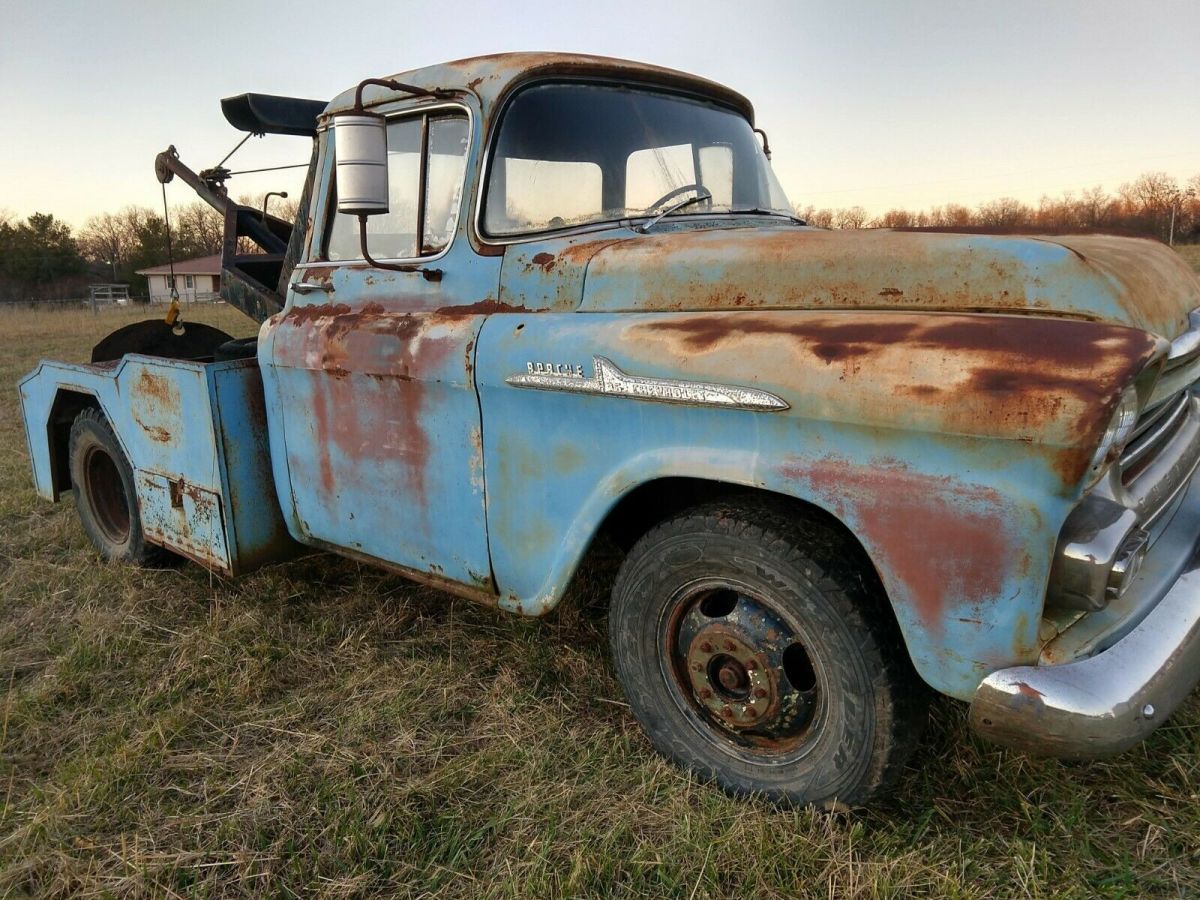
<point x="373" y="368"/>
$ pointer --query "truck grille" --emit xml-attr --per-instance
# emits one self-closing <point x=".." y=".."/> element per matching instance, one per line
<point x="1168" y="410"/>
<point x="1154" y="431"/>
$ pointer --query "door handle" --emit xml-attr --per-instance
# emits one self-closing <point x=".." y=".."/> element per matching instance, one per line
<point x="311" y="287"/>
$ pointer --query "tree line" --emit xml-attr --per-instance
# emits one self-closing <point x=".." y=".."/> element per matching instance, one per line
<point x="42" y="258"/>
<point x="1145" y="206"/>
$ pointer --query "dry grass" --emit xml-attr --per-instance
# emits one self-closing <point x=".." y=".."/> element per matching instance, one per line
<point x="1190" y="252"/>
<point x="321" y="729"/>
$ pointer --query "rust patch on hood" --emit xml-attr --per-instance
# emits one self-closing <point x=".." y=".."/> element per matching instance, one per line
<point x="1050" y="382"/>
<point x="1117" y="280"/>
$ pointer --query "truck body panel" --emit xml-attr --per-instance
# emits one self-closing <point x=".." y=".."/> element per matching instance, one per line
<point x="934" y="506"/>
<point x="195" y="436"/>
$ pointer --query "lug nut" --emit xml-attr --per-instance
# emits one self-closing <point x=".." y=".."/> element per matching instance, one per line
<point x="706" y="647"/>
<point x="760" y="692"/>
<point x="706" y="694"/>
<point x="730" y="646"/>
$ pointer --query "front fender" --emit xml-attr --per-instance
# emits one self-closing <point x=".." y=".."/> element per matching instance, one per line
<point x="949" y="455"/>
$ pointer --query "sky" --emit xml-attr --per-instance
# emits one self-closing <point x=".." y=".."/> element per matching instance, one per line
<point x="868" y="102"/>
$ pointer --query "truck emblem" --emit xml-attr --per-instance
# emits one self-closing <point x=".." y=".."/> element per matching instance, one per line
<point x="609" y="379"/>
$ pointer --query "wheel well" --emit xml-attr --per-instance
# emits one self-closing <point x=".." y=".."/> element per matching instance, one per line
<point x="647" y="505"/>
<point x="67" y="405"/>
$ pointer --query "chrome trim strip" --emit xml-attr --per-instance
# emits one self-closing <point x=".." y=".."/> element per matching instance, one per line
<point x="1167" y="470"/>
<point x="609" y="379"/>
<point x="1108" y="702"/>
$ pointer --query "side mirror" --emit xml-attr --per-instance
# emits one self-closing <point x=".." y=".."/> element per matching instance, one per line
<point x="360" y="145"/>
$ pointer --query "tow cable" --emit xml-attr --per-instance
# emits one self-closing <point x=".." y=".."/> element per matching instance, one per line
<point x="173" y="316"/>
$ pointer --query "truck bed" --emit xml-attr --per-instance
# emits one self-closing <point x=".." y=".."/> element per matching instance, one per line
<point x="195" y="435"/>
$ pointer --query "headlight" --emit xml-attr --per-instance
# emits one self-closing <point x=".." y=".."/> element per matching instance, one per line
<point x="1120" y="429"/>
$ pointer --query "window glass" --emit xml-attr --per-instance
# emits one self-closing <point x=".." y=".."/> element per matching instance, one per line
<point x="393" y="235"/>
<point x="546" y="190"/>
<point x="656" y="171"/>
<point x="716" y="173"/>
<point x="448" y="140"/>
<point x="575" y="153"/>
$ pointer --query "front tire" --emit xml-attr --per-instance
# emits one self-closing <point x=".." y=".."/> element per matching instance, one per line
<point x="754" y="653"/>
<point x="102" y="482"/>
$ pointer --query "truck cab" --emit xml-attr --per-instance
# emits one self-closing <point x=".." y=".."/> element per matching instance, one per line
<point x="536" y="300"/>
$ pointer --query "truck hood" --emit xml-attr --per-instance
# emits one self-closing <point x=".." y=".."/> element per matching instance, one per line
<point x="1123" y="281"/>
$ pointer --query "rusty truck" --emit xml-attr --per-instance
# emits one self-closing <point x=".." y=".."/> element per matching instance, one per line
<point x="535" y="301"/>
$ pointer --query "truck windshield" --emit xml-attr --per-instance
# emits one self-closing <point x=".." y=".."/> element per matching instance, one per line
<point x="575" y="154"/>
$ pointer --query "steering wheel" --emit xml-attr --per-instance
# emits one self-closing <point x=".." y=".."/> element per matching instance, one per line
<point x="670" y="195"/>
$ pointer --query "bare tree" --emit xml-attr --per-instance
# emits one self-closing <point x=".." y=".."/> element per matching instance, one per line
<point x="850" y="217"/>
<point x="896" y="218"/>
<point x="200" y="229"/>
<point x="1006" y="212"/>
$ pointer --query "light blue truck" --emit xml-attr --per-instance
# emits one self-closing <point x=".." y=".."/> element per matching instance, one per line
<point x="533" y="301"/>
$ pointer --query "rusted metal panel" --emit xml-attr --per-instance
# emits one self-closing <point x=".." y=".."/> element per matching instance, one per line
<point x="548" y="275"/>
<point x="491" y="78"/>
<point x="185" y="517"/>
<point x="201" y="473"/>
<point x="1121" y="281"/>
<point x="258" y="533"/>
<point x="377" y="418"/>
<point x="955" y="479"/>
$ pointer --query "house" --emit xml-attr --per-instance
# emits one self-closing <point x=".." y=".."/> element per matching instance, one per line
<point x="195" y="279"/>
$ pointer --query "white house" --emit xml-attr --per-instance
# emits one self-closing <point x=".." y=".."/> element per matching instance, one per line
<point x="195" y="279"/>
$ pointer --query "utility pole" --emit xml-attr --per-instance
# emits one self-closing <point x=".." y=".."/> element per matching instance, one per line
<point x="1176" y="200"/>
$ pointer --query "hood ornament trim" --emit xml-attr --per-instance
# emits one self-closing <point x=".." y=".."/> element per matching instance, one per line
<point x="608" y="379"/>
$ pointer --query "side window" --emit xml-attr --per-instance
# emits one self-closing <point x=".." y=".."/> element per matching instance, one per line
<point x="448" y="139"/>
<point x="421" y="217"/>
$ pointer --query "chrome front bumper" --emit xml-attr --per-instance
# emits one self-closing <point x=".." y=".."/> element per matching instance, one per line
<point x="1109" y="701"/>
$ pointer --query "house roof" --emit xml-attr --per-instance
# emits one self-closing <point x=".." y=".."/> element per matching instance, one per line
<point x="201" y="265"/>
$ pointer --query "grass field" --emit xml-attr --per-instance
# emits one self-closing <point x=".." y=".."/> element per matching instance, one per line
<point x="322" y="729"/>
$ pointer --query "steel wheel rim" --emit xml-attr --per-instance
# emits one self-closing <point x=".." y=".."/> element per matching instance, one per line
<point x="723" y="658"/>
<point x="105" y="492"/>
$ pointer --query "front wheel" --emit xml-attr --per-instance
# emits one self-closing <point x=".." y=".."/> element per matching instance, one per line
<point x="753" y="654"/>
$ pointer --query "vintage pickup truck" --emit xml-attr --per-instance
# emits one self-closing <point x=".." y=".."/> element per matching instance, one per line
<point x="536" y="300"/>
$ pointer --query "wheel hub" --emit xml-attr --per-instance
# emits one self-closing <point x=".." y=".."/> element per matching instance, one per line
<point x="729" y="677"/>
<point x="735" y="657"/>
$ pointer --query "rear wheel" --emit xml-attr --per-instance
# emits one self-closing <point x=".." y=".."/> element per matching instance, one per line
<point x="102" y="481"/>
<point x="753" y="654"/>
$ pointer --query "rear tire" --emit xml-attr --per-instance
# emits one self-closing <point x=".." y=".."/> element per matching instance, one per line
<point x="754" y="653"/>
<point x="102" y="482"/>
